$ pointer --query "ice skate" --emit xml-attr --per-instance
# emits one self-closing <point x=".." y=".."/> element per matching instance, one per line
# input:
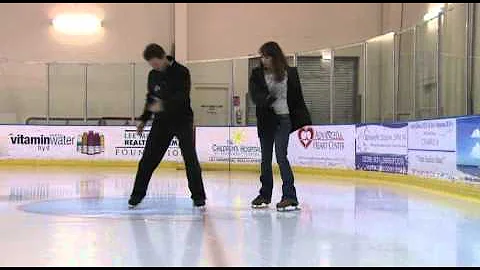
<point x="132" y="204"/>
<point x="199" y="204"/>
<point x="287" y="205"/>
<point x="260" y="202"/>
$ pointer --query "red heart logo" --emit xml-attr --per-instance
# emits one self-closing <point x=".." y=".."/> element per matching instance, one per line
<point x="305" y="135"/>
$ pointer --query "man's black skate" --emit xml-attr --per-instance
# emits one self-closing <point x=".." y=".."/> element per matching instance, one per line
<point x="133" y="203"/>
<point x="260" y="202"/>
<point x="200" y="204"/>
<point x="288" y="205"/>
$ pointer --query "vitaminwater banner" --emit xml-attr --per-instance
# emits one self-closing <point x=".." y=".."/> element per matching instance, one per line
<point x="468" y="148"/>
<point x="432" y="148"/>
<point x="238" y="145"/>
<point x="54" y="142"/>
<point x="382" y="147"/>
<point x="76" y="142"/>
<point x="323" y="147"/>
<point x="30" y="142"/>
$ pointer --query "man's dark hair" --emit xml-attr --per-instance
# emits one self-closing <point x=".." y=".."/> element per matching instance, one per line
<point x="153" y="50"/>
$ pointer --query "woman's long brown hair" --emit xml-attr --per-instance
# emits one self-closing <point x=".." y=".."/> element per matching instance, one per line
<point x="279" y="62"/>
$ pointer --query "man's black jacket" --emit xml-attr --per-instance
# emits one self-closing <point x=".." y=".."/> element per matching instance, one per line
<point x="172" y="85"/>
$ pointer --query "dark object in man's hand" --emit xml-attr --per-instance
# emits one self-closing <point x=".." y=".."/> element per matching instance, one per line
<point x="158" y="92"/>
<point x="155" y="98"/>
<point x="154" y="104"/>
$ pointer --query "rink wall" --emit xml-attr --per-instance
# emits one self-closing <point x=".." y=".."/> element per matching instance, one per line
<point x="441" y="149"/>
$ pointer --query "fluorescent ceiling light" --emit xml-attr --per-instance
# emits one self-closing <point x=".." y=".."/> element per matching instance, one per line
<point x="77" y="24"/>
<point x="385" y="37"/>
<point x="433" y="13"/>
<point x="327" y="55"/>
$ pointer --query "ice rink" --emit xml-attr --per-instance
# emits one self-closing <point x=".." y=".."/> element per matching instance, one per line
<point x="78" y="216"/>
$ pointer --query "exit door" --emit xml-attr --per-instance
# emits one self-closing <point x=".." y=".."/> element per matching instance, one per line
<point x="210" y="105"/>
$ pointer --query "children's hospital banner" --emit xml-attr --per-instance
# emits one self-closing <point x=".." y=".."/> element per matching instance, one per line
<point x="239" y="145"/>
<point x="315" y="146"/>
<point x="440" y="148"/>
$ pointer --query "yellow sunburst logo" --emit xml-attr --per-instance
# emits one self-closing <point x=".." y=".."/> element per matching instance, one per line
<point x="238" y="137"/>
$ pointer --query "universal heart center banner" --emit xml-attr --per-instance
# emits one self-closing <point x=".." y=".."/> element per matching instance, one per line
<point x="323" y="146"/>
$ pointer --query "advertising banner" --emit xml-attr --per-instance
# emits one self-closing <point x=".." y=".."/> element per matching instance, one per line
<point x="432" y="164"/>
<point x="434" y="135"/>
<point x="468" y="148"/>
<point x="43" y="142"/>
<point x="126" y="144"/>
<point x="77" y="143"/>
<point x="323" y="147"/>
<point x="238" y="145"/>
<point x="432" y="148"/>
<point x="441" y="148"/>
<point x="382" y="148"/>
